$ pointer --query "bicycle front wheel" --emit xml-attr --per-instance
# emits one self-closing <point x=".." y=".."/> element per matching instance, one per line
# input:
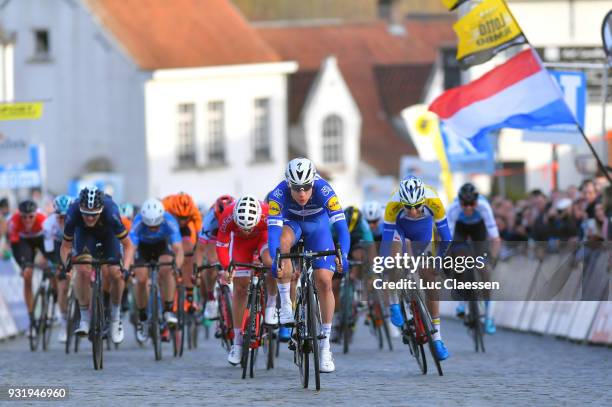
<point x="97" y="326"/>
<point x="409" y="337"/>
<point x="47" y="321"/>
<point x="155" y="324"/>
<point x="35" y="323"/>
<point x="313" y="332"/>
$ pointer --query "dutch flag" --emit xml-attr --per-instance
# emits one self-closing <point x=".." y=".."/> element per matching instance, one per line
<point x="519" y="94"/>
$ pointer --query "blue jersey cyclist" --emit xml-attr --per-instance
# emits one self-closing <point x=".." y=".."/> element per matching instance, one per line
<point x="94" y="218"/>
<point x="410" y="216"/>
<point x="372" y="212"/>
<point x="303" y="206"/>
<point x="157" y="238"/>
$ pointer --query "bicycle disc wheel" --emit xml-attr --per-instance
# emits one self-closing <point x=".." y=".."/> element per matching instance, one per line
<point x="154" y="326"/>
<point x="313" y="333"/>
<point x="409" y="338"/>
<point x="37" y="311"/>
<point x="96" y="331"/>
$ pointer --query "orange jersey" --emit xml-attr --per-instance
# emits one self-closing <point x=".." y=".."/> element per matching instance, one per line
<point x="182" y="205"/>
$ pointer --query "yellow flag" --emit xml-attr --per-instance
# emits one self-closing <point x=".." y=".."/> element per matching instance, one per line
<point x="21" y="111"/>
<point x="453" y="4"/>
<point x="484" y="31"/>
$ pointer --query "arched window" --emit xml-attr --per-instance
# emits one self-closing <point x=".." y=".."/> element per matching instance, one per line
<point x="333" y="138"/>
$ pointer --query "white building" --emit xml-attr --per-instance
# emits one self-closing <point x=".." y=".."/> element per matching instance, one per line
<point x="6" y="66"/>
<point x="93" y="116"/>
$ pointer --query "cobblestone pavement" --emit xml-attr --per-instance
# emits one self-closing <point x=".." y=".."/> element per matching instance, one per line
<point x="518" y="369"/>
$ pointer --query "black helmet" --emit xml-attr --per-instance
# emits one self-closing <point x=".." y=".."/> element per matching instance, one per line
<point x="28" y="206"/>
<point x="353" y="217"/>
<point x="91" y="200"/>
<point x="468" y="193"/>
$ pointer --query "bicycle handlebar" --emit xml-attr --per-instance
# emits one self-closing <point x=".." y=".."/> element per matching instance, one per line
<point x="308" y="255"/>
<point x="151" y="264"/>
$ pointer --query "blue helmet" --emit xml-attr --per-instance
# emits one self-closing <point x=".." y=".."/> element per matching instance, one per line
<point x="127" y="210"/>
<point x="61" y="204"/>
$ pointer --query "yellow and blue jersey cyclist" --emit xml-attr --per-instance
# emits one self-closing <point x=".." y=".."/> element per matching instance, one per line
<point x="410" y="215"/>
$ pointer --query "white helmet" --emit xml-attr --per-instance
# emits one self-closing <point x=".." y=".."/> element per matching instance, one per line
<point x="412" y="191"/>
<point x="372" y="211"/>
<point x="300" y="171"/>
<point x="247" y="212"/>
<point x="152" y="212"/>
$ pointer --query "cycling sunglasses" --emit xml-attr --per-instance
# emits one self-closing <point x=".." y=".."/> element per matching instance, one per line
<point x="28" y="216"/>
<point x="468" y="204"/>
<point x="417" y="206"/>
<point x="298" y="188"/>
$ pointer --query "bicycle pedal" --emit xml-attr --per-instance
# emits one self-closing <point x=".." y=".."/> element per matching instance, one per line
<point x="321" y="336"/>
<point x="291" y="345"/>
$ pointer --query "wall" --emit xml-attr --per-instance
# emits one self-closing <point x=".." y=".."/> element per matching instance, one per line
<point x="93" y="93"/>
<point x="237" y="86"/>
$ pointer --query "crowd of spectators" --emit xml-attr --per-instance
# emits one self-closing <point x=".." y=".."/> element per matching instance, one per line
<point x="570" y="215"/>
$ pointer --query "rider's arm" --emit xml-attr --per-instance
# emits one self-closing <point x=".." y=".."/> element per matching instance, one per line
<point x="223" y="242"/>
<point x="174" y="234"/>
<point x="492" y="230"/>
<point x="179" y="254"/>
<point x="337" y="219"/>
<point x="275" y="227"/>
<point x="390" y="232"/>
<point x="128" y="252"/>
<point x="366" y="233"/>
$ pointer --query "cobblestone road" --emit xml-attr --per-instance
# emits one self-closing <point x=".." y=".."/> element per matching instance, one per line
<point x="518" y="369"/>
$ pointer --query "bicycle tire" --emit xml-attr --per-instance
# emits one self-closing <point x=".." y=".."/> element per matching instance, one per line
<point x="155" y="325"/>
<point x="225" y="318"/>
<point x="428" y="325"/>
<point x="313" y="333"/>
<point x="77" y="338"/>
<point x="37" y="311"/>
<point x="375" y="315"/>
<point x="298" y="335"/>
<point x="385" y="329"/>
<point x="72" y="305"/>
<point x="96" y="333"/>
<point x="49" y="315"/>
<point x="417" y="349"/>
<point x="476" y="326"/>
<point x="179" y="335"/>
<point x="270" y="346"/>
<point x="246" y="341"/>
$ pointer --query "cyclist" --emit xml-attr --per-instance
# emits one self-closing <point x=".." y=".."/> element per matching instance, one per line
<point x="243" y="236"/>
<point x="373" y="213"/>
<point x="361" y="244"/>
<point x="185" y="211"/>
<point x="410" y="216"/>
<point x="25" y="233"/>
<point x="53" y="231"/>
<point x="303" y="205"/>
<point x="470" y="217"/>
<point x="207" y="240"/>
<point x="126" y="210"/>
<point x="94" y="218"/>
<point x="157" y="238"/>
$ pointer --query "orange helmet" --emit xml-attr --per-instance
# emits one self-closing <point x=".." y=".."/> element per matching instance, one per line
<point x="182" y="205"/>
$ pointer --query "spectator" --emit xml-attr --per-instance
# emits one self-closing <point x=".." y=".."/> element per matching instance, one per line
<point x="597" y="227"/>
<point x="591" y="196"/>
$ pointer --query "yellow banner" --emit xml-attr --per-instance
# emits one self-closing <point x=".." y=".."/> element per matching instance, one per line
<point x="453" y="4"/>
<point x="485" y="30"/>
<point x="21" y="111"/>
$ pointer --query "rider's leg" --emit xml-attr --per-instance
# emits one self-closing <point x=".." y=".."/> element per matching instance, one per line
<point x="287" y="240"/>
<point x="239" y="299"/>
<point x="83" y="289"/>
<point x="141" y="292"/>
<point x="323" y="281"/>
<point x="187" y="270"/>
<point x="27" y="288"/>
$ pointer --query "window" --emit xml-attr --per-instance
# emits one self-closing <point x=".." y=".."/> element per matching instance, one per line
<point x="261" y="130"/>
<point x="452" y="72"/>
<point x="186" y="135"/>
<point x="216" y="133"/>
<point x="332" y="140"/>
<point x="41" y="44"/>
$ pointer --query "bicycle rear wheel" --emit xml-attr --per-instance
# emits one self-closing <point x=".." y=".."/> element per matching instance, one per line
<point x="428" y="327"/>
<point x="155" y="324"/>
<point x="313" y="332"/>
<point x="38" y="312"/>
<point x="70" y="323"/>
<point x="409" y="337"/>
<point x="97" y="326"/>
<point x="270" y="341"/>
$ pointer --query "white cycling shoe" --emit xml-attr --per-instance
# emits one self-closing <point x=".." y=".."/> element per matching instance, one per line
<point x="170" y="318"/>
<point x="326" y="363"/>
<point x="83" y="329"/>
<point x="286" y="316"/>
<point x="62" y="336"/>
<point x="211" y="310"/>
<point x="235" y="355"/>
<point x="117" y="331"/>
<point x="271" y="316"/>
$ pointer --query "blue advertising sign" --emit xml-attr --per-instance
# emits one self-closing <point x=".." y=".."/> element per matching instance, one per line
<point x="25" y="175"/>
<point x="574" y="88"/>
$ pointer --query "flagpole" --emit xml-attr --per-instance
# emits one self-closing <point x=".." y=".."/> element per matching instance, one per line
<point x="600" y="164"/>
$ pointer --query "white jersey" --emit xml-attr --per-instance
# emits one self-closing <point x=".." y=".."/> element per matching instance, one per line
<point x="482" y="212"/>
<point x="52" y="231"/>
